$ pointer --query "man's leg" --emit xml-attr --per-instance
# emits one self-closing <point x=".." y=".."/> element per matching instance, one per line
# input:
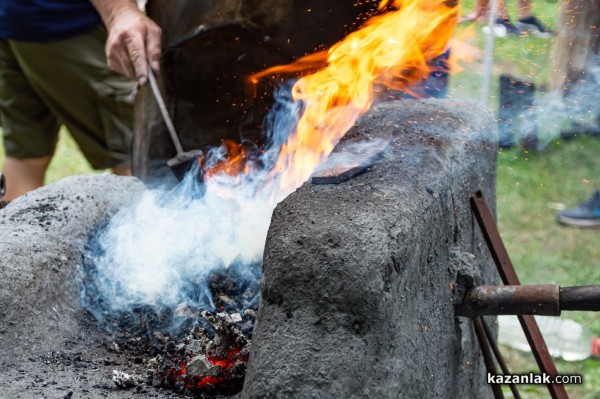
<point x="483" y="7"/>
<point x="90" y="100"/>
<point x="524" y="9"/>
<point x="478" y="12"/>
<point x="24" y="175"/>
<point x="502" y="10"/>
<point x="30" y="130"/>
<point x="122" y="170"/>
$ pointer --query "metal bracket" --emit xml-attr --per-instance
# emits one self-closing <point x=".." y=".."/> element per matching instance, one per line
<point x="489" y="229"/>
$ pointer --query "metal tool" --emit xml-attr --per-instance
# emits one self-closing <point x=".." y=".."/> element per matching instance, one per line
<point x="543" y="300"/>
<point x="489" y="229"/>
<point x="183" y="161"/>
<point x="2" y="185"/>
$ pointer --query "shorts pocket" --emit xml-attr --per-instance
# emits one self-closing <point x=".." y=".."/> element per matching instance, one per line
<point x="115" y="107"/>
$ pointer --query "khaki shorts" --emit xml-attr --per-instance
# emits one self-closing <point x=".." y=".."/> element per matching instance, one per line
<point x="67" y="82"/>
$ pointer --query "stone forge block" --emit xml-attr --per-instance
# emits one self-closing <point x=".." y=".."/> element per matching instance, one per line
<point x="41" y="237"/>
<point x="356" y="296"/>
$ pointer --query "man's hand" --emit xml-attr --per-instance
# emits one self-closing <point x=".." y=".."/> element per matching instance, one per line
<point x="133" y="38"/>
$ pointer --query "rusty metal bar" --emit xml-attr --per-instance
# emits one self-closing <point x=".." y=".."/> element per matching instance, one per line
<point x="499" y="357"/>
<point x="586" y="297"/>
<point x="543" y="300"/>
<point x="487" y="355"/>
<point x="490" y="232"/>
<point x="511" y="300"/>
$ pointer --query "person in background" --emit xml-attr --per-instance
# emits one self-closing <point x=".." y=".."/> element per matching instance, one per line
<point x="585" y="215"/>
<point x="56" y="58"/>
<point x="526" y="24"/>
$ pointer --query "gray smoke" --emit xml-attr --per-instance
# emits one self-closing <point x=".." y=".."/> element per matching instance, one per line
<point x="576" y="111"/>
<point x="158" y="252"/>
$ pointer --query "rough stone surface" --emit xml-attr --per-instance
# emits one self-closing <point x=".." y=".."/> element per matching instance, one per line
<point x="356" y="298"/>
<point x="49" y="347"/>
<point x="41" y="236"/>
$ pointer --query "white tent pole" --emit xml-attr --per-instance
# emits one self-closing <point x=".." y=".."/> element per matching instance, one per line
<point x="489" y="52"/>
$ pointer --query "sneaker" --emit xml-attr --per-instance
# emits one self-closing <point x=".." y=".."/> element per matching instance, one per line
<point x="535" y="26"/>
<point x="502" y="28"/>
<point x="584" y="215"/>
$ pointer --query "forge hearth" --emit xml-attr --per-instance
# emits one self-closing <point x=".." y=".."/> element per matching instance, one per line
<point x="357" y="283"/>
<point x="356" y="295"/>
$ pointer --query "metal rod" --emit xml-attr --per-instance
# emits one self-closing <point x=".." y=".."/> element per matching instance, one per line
<point x="164" y="112"/>
<point x="2" y="185"/>
<point x="489" y="53"/>
<point x="585" y="298"/>
<point x="511" y="300"/>
<point x="541" y="300"/>
<point x="490" y="232"/>
<point x="499" y="357"/>
<point x="487" y="355"/>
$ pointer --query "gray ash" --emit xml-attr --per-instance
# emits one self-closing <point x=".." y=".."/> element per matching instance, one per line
<point x="233" y="290"/>
<point x="200" y="347"/>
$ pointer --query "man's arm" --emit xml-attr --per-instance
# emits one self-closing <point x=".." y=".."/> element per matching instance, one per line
<point x="133" y="38"/>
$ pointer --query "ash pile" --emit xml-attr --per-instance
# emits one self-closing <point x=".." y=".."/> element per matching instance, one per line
<point x="197" y="352"/>
<point x="211" y="359"/>
<point x="203" y="363"/>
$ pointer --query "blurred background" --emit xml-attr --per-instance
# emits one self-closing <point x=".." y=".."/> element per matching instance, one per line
<point x="534" y="182"/>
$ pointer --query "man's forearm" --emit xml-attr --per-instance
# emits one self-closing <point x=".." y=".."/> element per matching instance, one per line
<point x="109" y="9"/>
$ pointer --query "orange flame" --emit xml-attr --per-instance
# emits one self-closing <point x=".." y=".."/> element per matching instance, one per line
<point x="235" y="161"/>
<point x="391" y="49"/>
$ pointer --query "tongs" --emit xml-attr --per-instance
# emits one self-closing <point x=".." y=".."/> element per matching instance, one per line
<point x="183" y="161"/>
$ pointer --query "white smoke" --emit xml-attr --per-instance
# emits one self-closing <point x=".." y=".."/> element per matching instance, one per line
<point x="155" y="250"/>
<point x="578" y="110"/>
<point x="160" y="250"/>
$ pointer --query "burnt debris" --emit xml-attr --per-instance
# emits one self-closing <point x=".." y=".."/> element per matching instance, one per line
<point x="199" y="347"/>
<point x="232" y="289"/>
<point x="203" y="363"/>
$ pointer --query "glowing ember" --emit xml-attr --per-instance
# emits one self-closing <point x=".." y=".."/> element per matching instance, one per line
<point x="231" y="158"/>
<point x="202" y="365"/>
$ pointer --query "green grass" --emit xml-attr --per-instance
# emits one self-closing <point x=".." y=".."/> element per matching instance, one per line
<point x="530" y="188"/>
<point x="527" y="57"/>
<point x="68" y="159"/>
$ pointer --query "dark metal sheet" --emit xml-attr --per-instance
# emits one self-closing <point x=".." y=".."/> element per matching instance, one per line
<point x="352" y="160"/>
